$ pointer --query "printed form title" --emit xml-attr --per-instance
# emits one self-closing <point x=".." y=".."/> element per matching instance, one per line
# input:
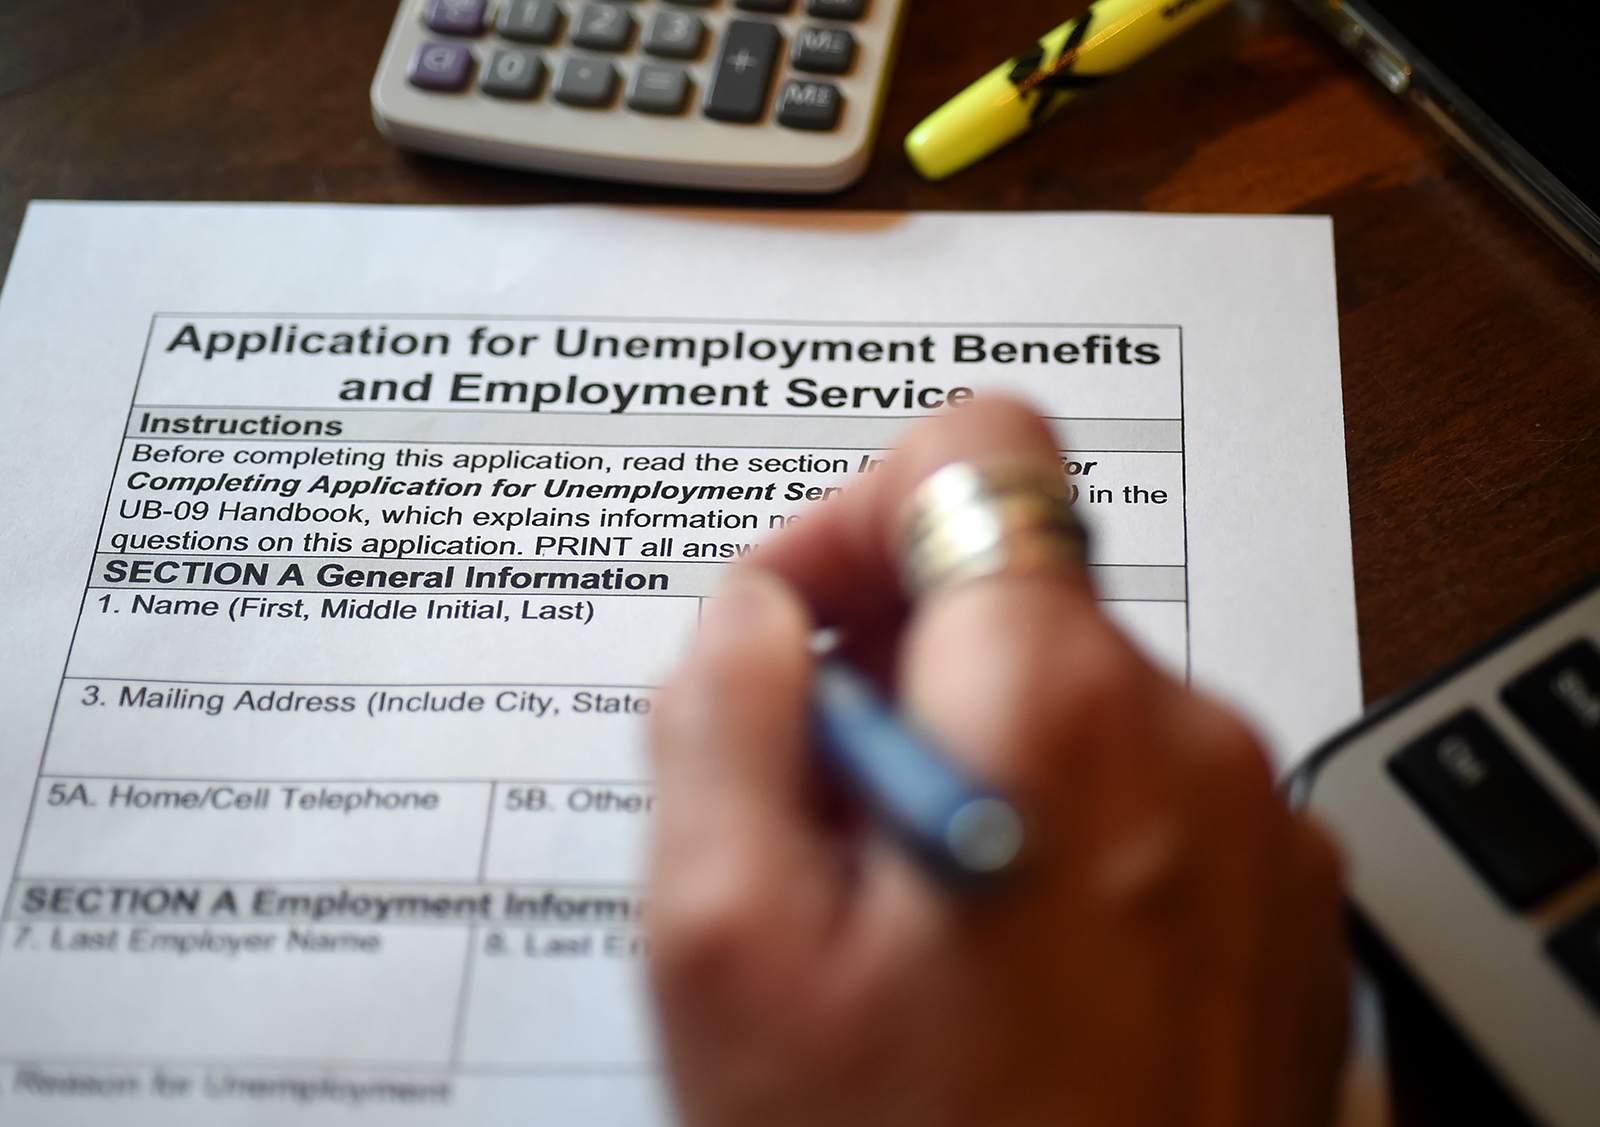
<point x="682" y="363"/>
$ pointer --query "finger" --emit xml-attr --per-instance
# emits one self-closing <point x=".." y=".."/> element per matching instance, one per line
<point x="1001" y="667"/>
<point x="736" y="845"/>
<point x="840" y="557"/>
<point x="1027" y="681"/>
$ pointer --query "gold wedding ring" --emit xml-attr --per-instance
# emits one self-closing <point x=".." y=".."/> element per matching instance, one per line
<point x="968" y="521"/>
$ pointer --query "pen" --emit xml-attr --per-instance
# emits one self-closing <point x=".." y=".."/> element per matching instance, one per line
<point x="1014" y="97"/>
<point x="947" y="820"/>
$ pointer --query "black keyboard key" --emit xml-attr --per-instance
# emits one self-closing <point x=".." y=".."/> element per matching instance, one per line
<point x="1577" y="948"/>
<point x="743" y="71"/>
<point x="1490" y="805"/>
<point x="809" y="105"/>
<point x="777" y="6"/>
<point x="1559" y="701"/>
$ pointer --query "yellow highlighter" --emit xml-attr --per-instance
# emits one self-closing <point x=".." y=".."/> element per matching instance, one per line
<point x="1014" y="97"/>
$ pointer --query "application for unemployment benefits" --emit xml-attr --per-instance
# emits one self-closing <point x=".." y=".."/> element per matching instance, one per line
<point x="347" y="546"/>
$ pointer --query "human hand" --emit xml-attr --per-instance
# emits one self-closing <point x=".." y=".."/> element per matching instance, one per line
<point x="1170" y="951"/>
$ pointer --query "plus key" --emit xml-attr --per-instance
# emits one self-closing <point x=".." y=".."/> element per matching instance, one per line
<point x="743" y="71"/>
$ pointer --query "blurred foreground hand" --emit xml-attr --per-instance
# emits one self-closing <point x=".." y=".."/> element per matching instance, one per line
<point x="1170" y="950"/>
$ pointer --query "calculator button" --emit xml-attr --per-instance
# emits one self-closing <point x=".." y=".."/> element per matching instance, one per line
<point x="809" y="105"/>
<point x="836" y="9"/>
<point x="823" y="50"/>
<point x="511" y="73"/>
<point x="440" y="66"/>
<point x="1576" y="946"/>
<point x="742" y="73"/>
<point x="674" y="35"/>
<point x="1559" y="701"/>
<point x="530" y="21"/>
<point x="603" y="27"/>
<point x="586" y="82"/>
<point x="658" y="89"/>
<point x="454" y="17"/>
<point x="779" y="6"/>
<point x="1490" y="805"/>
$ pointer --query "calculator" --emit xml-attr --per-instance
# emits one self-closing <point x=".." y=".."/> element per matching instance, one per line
<point x="1469" y="810"/>
<point x="756" y="95"/>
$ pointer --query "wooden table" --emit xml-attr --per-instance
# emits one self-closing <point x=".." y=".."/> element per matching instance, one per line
<point x="1470" y="342"/>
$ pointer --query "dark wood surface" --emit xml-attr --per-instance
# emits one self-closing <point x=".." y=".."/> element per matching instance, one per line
<point x="1470" y="342"/>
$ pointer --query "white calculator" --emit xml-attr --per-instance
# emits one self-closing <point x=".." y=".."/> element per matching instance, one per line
<point x="1469" y="808"/>
<point x="756" y="95"/>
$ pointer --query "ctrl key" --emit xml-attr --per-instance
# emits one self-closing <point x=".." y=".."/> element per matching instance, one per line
<point x="440" y="66"/>
<point x="1482" y="797"/>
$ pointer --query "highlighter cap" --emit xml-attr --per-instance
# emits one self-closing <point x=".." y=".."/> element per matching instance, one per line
<point x="973" y="124"/>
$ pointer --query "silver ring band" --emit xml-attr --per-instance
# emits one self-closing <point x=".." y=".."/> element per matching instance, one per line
<point x="967" y="521"/>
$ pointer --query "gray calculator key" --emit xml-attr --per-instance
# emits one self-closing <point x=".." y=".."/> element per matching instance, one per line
<point x="586" y="82"/>
<point x="836" y="9"/>
<point x="779" y="6"/>
<point x="512" y="73"/>
<point x="454" y="17"/>
<point x="603" y="27"/>
<point x="1491" y="806"/>
<point x="658" y="89"/>
<point x="809" y="105"/>
<point x="742" y="72"/>
<point x="674" y="35"/>
<point x="823" y="50"/>
<point x="530" y="21"/>
<point x="440" y="66"/>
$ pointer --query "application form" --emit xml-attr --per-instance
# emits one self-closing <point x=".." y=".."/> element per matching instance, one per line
<point x="344" y="547"/>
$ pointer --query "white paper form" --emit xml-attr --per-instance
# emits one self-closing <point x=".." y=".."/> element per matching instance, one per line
<point x="344" y="545"/>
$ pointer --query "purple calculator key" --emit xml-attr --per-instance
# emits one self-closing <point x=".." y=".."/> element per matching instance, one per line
<point x="440" y="66"/>
<point x="455" y="17"/>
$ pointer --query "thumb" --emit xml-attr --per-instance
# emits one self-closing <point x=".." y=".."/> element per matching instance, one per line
<point x="740" y="862"/>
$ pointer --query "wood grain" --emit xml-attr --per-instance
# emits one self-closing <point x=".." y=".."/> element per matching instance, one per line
<point x="1470" y="342"/>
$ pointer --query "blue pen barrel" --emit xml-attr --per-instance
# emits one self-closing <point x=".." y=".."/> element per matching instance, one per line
<point x="939" y="813"/>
